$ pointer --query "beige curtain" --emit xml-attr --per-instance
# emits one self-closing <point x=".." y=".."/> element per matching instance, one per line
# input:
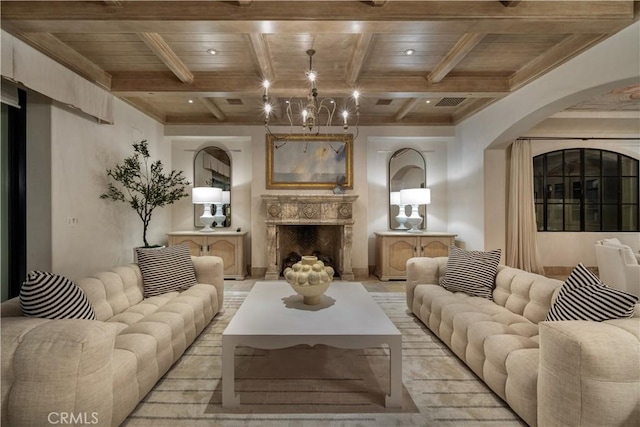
<point x="522" y="246"/>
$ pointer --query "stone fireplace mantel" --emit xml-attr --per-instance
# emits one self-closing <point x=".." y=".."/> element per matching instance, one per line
<point x="312" y="209"/>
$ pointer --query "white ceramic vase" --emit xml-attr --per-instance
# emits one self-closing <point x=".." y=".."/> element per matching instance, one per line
<point x="309" y="278"/>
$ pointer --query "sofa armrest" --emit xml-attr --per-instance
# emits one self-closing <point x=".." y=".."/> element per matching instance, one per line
<point x="51" y="367"/>
<point x="632" y="273"/>
<point x="11" y="308"/>
<point x="423" y="270"/>
<point x="589" y="374"/>
<point x="210" y="270"/>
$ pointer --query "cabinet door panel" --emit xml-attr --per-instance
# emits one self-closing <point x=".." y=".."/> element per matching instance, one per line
<point x="227" y="251"/>
<point x="399" y="251"/>
<point x="195" y="243"/>
<point x="435" y="247"/>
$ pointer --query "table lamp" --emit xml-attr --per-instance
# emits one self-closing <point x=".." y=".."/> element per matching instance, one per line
<point x="401" y="218"/>
<point x="415" y="197"/>
<point x="206" y="196"/>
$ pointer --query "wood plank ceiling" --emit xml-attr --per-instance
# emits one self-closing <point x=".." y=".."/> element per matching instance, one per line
<point x="156" y="55"/>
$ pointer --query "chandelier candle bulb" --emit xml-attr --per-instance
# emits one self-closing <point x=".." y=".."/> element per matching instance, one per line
<point x="315" y="112"/>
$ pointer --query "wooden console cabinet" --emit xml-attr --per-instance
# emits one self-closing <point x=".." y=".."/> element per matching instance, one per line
<point x="394" y="248"/>
<point x="228" y="245"/>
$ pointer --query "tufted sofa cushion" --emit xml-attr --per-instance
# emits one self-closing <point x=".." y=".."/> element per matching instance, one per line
<point x="106" y="365"/>
<point x="489" y="336"/>
<point x="114" y="291"/>
<point x="558" y="377"/>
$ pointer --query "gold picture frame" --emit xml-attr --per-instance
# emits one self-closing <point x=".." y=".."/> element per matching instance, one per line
<point x="309" y="162"/>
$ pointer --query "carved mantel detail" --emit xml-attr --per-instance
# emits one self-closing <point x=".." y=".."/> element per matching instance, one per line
<point x="312" y="209"/>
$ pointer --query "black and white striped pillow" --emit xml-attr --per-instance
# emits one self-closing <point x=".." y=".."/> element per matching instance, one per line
<point x="471" y="272"/>
<point x="50" y="296"/>
<point x="166" y="269"/>
<point x="584" y="297"/>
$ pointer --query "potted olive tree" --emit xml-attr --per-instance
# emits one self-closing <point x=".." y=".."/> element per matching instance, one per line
<point x="143" y="185"/>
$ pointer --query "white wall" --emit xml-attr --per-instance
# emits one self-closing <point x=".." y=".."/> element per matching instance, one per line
<point x="183" y="151"/>
<point x="106" y="232"/>
<point x="38" y="178"/>
<point x="379" y="151"/>
<point x="372" y="150"/>
<point x="606" y="66"/>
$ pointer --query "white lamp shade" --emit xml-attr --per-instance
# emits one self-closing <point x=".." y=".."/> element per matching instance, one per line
<point x="205" y="195"/>
<point x="226" y="197"/>
<point x="394" y="198"/>
<point x="415" y="196"/>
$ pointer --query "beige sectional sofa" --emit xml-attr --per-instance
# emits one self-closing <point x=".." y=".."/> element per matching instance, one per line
<point x="94" y="372"/>
<point x="568" y="373"/>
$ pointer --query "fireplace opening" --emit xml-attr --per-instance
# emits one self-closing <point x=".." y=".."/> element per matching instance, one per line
<point x="322" y="241"/>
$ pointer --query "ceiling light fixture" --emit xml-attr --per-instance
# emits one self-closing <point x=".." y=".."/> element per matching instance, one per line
<point x="212" y="51"/>
<point x="313" y="113"/>
<point x="409" y="51"/>
<point x="190" y="101"/>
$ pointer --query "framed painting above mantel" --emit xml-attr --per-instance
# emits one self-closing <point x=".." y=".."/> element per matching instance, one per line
<point x="309" y="161"/>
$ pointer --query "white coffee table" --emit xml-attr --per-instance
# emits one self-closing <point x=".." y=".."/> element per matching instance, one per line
<point x="273" y="316"/>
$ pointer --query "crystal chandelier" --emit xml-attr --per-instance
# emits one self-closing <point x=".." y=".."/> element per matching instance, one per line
<point x="314" y="112"/>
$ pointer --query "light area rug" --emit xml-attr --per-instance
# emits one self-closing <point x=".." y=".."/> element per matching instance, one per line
<point x="323" y="386"/>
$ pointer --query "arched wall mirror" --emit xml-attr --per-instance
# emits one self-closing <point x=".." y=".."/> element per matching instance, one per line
<point x="212" y="168"/>
<point x="407" y="169"/>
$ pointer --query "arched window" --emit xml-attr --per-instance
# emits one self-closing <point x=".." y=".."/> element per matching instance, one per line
<point x="585" y="189"/>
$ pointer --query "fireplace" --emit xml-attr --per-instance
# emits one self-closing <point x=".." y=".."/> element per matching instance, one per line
<point x="307" y="224"/>
<point x="323" y="241"/>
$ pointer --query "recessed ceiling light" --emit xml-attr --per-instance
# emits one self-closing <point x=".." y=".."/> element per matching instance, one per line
<point x="409" y="51"/>
<point x="190" y="101"/>
<point x="428" y="101"/>
<point x="212" y="51"/>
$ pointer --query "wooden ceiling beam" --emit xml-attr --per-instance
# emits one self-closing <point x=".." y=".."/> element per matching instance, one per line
<point x="463" y="46"/>
<point x="211" y="85"/>
<point x="61" y="52"/>
<point x="365" y="120"/>
<point x="147" y="108"/>
<point x="562" y="52"/>
<point x="318" y="10"/>
<point x="359" y="55"/>
<point x="442" y="26"/>
<point x="261" y="54"/>
<point x="470" y="107"/>
<point x="156" y="43"/>
<point x="213" y="108"/>
<point x="406" y="109"/>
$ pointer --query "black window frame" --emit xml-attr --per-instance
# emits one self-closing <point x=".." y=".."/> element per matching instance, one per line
<point x="563" y="200"/>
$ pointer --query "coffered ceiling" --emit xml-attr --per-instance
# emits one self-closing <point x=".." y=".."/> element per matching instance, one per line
<point x="156" y="55"/>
